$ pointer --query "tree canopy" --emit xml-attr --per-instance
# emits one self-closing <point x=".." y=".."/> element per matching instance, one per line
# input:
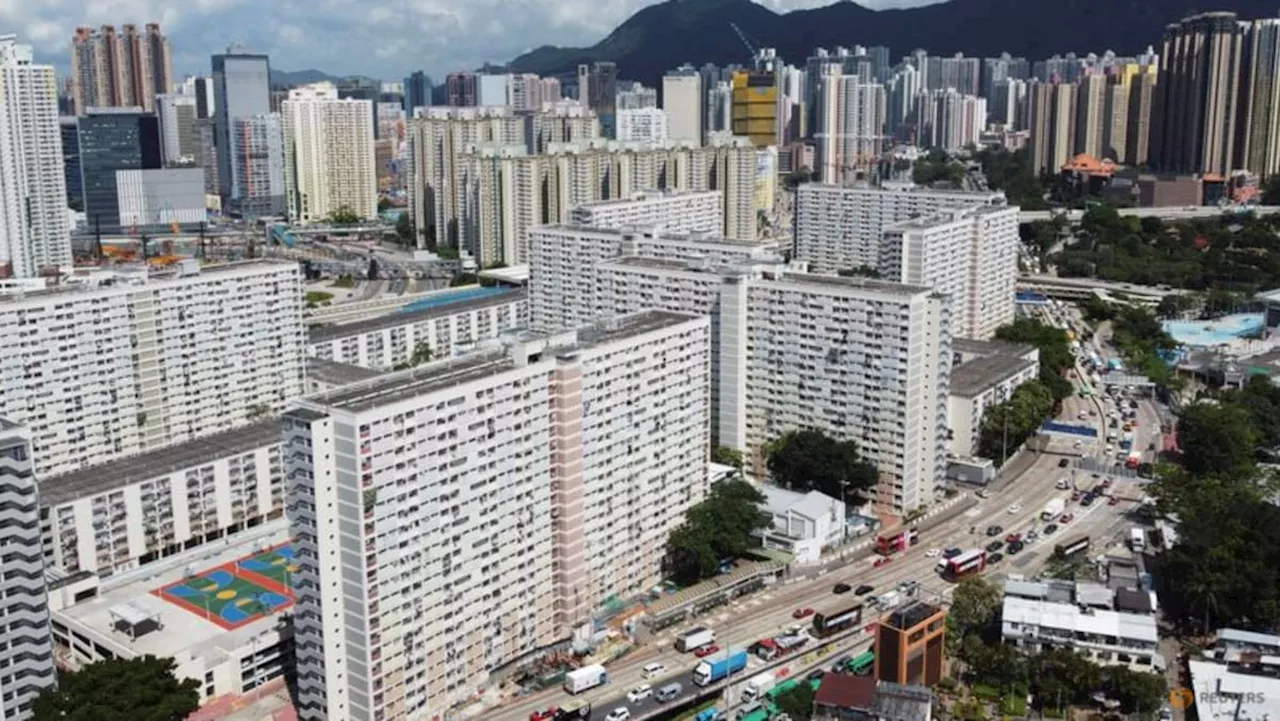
<point x="935" y="167"/>
<point x="974" y="604"/>
<point x="139" y="689"/>
<point x="797" y="702"/>
<point x="344" y="216"/>
<point x="1006" y="425"/>
<point x="718" y="527"/>
<point x="1011" y="172"/>
<point x="1055" y="351"/>
<point x="809" y="460"/>
<point x="727" y="457"/>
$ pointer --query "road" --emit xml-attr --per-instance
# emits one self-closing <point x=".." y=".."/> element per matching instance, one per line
<point x="1168" y="213"/>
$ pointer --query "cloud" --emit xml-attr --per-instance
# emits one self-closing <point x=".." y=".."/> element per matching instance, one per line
<point x="378" y="38"/>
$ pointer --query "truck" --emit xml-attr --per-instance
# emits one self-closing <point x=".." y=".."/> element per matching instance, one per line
<point x="585" y="678"/>
<point x="1053" y="509"/>
<point x="1133" y="461"/>
<point x="710" y="671"/>
<point x="573" y="711"/>
<point x="758" y="686"/>
<point x="694" y="639"/>
<point x="889" y="600"/>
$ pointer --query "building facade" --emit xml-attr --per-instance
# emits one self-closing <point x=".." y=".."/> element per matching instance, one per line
<point x="27" y="653"/>
<point x="177" y="114"/>
<point x="665" y="211"/>
<point x="106" y="372"/>
<point x="839" y="228"/>
<point x="160" y="200"/>
<point x="910" y="645"/>
<point x="241" y="89"/>
<point x="257" y="163"/>
<point x="648" y="125"/>
<point x="983" y="375"/>
<point x="111" y="69"/>
<point x="556" y="524"/>
<point x="851" y="126"/>
<point x="329" y="154"/>
<point x="112" y="140"/>
<point x="34" y="231"/>
<point x="683" y="101"/>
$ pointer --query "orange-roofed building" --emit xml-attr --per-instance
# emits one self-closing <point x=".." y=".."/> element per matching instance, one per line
<point x="1085" y="164"/>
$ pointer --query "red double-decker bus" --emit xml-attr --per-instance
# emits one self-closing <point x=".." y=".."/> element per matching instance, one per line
<point x="966" y="563"/>
<point x="900" y="541"/>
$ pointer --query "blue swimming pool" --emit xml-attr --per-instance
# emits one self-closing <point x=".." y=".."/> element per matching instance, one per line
<point x="1219" y="331"/>
<point x="449" y="297"/>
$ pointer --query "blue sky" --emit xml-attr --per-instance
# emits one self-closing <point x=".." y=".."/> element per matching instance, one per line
<point x="343" y="37"/>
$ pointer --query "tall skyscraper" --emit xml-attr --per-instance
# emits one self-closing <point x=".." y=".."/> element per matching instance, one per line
<point x="125" y="69"/>
<point x="598" y="90"/>
<point x="34" y="232"/>
<point x="241" y="88"/>
<point x="1051" y="120"/>
<point x="27" y="653"/>
<point x="682" y="99"/>
<point x="1092" y="123"/>
<point x="461" y="90"/>
<point x="70" y="128"/>
<point x="114" y="139"/>
<point x="952" y="120"/>
<point x="257" y="165"/>
<point x="1259" y="139"/>
<point x="1194" y="129"/>
<point x="177" y="115"/>
<point x="329" y="158"/>
<point x="417" y="92"/>
<point x="851" y="119"/>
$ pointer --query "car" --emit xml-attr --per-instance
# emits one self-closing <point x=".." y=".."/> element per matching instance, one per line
<point x="952" y="552"/>
<point x="1015" y="509"/>
<point x="995" y="558"/>
<point x="1113" y="500"/>
<point x="995" y="546"/>
<point x="545" y="715"/>
<point x="816" y="674"/>
<point x="864" y="589"/>
<point x="995" y="530"/>
<point x="1075" y="496"/>
<point x="639" y="693"/>
<point x="802" y="613"/>
<point x="1062" y="484"/>
<point x="1106" y="483"/>
<point x="1013" y="538"/>
<point x="1049" y="529"/>
<point x="704" y="651"/>
<point x="653" y="670"/>
<point x="841" y="588"/>
<point x="1013" y="548"/>
<point x="622" y="713"/>
<point x="982" y="493"/>
<point x="933" y="553"/>
<point x="1087" y="500"/>
<point x="1066" y="518"/>
<point x="1063" y="463"/>
<point x="1031" y="535"/>
<point x="882" y="561"/>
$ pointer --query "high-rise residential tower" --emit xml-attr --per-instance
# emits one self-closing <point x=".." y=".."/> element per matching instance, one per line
<point x="417" y="92"/>
<point x="851" y="121"/>
<point x="112" y="69"/>
<point x="682" y="99"/>
<point x="177" y="116"/>
<point x="34" y="231"/>
<point x="1258" y="144"/>
<point x="329" y="162"/>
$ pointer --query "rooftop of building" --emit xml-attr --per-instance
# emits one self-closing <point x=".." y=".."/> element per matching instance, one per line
<point x="130" y="277"/>
<point x="897" y="189"/>
<point x="897" y="702"/>
<point x="812" y="505"/>
<point x="1229" y="693"/>
<point x="947" y="216"/>
<point x="647" y="195"/>
<point x="184" y="634"/>
<point x="503" y="296"/>
<point x="1067" y="616"/>
<point x="700" y="237"/>
<point x="846" y="691"/>
<point x="912" y="615"/>
<point x="980" y="374"/>
<point x="333" y="373"/>
<point x="989" y="347"/>
<point x="432" y="377"/>
<point x="122" y="472"/>
<point x="883" y="287"/>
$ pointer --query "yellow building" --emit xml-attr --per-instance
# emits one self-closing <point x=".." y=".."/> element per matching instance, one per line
<point x="755" y="107"/>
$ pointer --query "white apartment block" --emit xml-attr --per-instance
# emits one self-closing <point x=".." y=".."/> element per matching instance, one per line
<point x="952" y="120"/>
<point x="982" y="375"/>
<point x="388" y="342"/>
<point x="35" y="233"/>
<point x="841" y="228"/>
<point x="563" y="263"/>
<point x="328" y="148"/>
<point x="134" y="511"/>
<point x="970" y="254"/>
<point x="851" y="126"/>
<point x="645" y="125"/>
<point x="682" y="101"/>
<point x="663" y="211"/>
<point x="26" y="656"/>
<point x="861" y="360"/>
<point x="177" y="116"/>
<point x="146" y="362"/>
<point x="458" y="516"/>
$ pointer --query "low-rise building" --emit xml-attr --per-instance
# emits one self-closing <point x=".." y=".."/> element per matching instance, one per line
<point x="847" y="697"/>
<point x="396" y="340"/>
<point x="133" y="511"/>
<point x="1244" y="691"/>
<point x="803" y="523"/>
<point x="1090" y="618"/>
<point x="984" y="374"/>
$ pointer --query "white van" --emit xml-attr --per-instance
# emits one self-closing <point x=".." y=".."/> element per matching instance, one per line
<point x="1137" y="539"/>
<point x="653" y="670"/>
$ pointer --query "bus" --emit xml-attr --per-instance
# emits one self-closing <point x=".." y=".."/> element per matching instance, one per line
<point x="1072" y="547"/>
<point x="836" y="620"/>
<point x="862" y="664"/>
<point x="900" y="541"/>
<point x="957" y="567"/>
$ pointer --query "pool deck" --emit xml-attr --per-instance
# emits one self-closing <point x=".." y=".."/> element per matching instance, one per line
<point x="185" y="634"/>
<point x="1217" y="332"/>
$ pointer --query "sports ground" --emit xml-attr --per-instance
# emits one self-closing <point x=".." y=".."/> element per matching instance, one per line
<point x="239" y="592"/>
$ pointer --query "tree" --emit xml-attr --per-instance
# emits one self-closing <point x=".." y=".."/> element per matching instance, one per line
<point x="1007" y="425"/>
<point x="1137" y="691"/>
<point x="797" y="701"/>
<point x="1174" y="305"/>
<point x="138" y="689"/>
<point x="1271" y="191"/>
<point x="797" y="178"/>
<point x="1061" y="676"/>
<point x="862" y="271"/>
<point x="404" y="229"/>
<point x="718" y="527"/>
<point x="809" y="460"/>
<point x="973" y="607"/>
<point x="344" y="216"/>
<point x="1216" y="439"/>
<point x="726" y="456"/>
<point x="383" y="204"/>
<point x="1055" y="351"/>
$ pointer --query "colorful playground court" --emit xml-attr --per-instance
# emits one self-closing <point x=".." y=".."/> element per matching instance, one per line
<point x="240" y="592"/>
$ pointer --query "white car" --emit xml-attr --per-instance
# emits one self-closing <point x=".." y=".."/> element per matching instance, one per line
<point x="1015" y="509"/>
<point x="933" y="553"/>
<point x="653" y="670"/>
<point x="982" y="493"/>
<point x="640" y="693"/>
<point x="622" y="713"/>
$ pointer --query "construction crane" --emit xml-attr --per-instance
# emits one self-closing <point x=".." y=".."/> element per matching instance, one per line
<point x="743" y="37"/>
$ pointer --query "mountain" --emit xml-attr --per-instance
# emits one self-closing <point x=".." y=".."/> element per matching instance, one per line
<point x="284" y="78"/>
<point x="664" y="36"/>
